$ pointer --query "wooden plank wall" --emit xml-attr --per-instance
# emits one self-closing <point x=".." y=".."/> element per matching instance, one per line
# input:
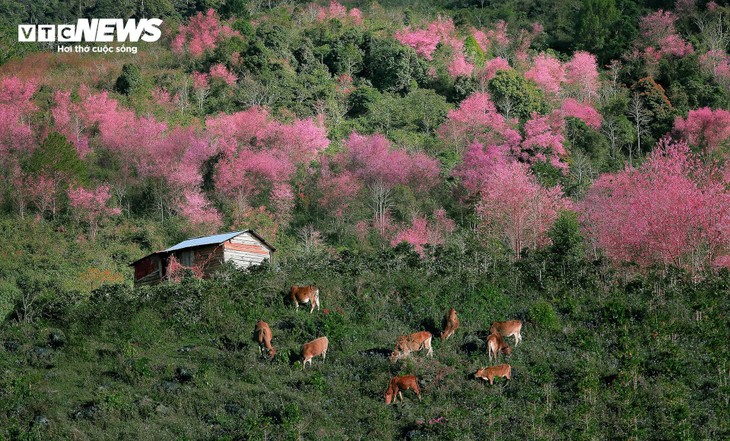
<point x="245" y="250"/>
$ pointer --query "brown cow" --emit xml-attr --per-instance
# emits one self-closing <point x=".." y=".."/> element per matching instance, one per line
<point x="305" y="294"/>
<point x="401" y="383"/>
<point x="496" y="344"/>
<point x="489" y="374"/>
<point x="508" y="329"/>
<point x="314" y="348"/>
<point x="452" y="324"/>
<point x="262" y="335"/>
<point x="411" y="343"/>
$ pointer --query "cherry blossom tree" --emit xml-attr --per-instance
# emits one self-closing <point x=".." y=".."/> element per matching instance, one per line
<point x="548" y="73"/>
<point x="199" y="212"/>
<point x="659" y="36"/>
<point x="514" y="208"/>
<point x="91" y="207"/>
<point x="477" y="118"/>
<point x="423" y="232"/>
<point x="16" y="105"/>
<point x="705" y="128"/>
<point x="544" y="141"/>
<point x="581" y="72"/>
<point x="584" y="112"/>
<point x="202" y="33"/>
<point x="673" y="210"/>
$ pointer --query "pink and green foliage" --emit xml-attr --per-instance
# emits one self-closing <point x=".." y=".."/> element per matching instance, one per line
<point x="338" y="190"/>
<point x="201" y="34"/>
<point x="197" y="210"/>
<point x="478" y="163"/>
<point x="68" y="121"/>
<point x="584" y="112"/>
<point x="16" y="105"/>
<point x="423" y="41"/>
<point x="259" y="156"/>
<point x="356" y="15"/>
<point x="200" y="80"/>
<point x="91" y="206"/>
<point x="660" y="38"/>
<point x="481" y="38"/>
<point x="491" y="68"/>
<point x="548" y="73"/>
<point x="219" y="71"/>
<point x="424" y="232"/>
<point x="514" y="208"/>
<point x="524" y="41"/>
<point x="581" y="74"/>
<point x="499" y="38"/>
<point x="477" y="118"/>
<point x="337" y="11"/>
<point x="36" y="190"/>
<point x="705" y="128"/>
<point x="302" y="140"/>
<point x="717" y="63"/>
<point x="544" y="141"/>
<point x="372" y="160"/>
<point x="673" y="210"/>
<point x="248" y="174"/>
<point x="459" y="66"/>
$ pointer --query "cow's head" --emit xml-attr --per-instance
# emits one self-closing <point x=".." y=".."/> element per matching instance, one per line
<point x="507" y="350"/>
<point x="389" y="394"/>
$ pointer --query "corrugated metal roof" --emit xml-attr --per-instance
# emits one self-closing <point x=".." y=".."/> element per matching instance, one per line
<point x="207" y="240"/>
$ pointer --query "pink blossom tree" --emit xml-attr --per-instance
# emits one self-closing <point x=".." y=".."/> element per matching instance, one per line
<point x="219" y="71"/>
<point x="705" y="128"/>
<point x="478" y="163"/>
<point x="544" y="141"/>
<point x="716" y="62"/>
<point x="477" y="119"/>
<point x="16" y="105"/>
<point x="91" y="207"/>
<point x="423" y="232"/>
<point x="548" y="73"/>
<point x="514" y="208"/>
<point x="198" y="211"/>
<point x="459" y="66"/>
<point x="584" y="112"/>
<point x="673" y="210"/>
<point x="581" y="73"/>
<point x="659" y="36"/>
<point x="202" y="33"/>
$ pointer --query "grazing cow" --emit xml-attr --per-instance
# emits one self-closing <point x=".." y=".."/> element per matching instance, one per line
<point x="411" y="343"/>
<point x="397" y="384"/>
<point x="508" y="329"/>
<point x="490" y="373"/>
<point x="305" y="294"/>
<point x="497" y="345"/>
<point x="262" y="335"/>
<point x="452" y="324"/>
<point x="314" y="348"/>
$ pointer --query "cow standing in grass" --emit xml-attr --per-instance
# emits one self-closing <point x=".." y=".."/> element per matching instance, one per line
<point x="305" y="294"/>
<point x="492" y="372"/>
<point x="262" y="335"/>
<point x="496" y="346"/>
<point x="398" y="384"/>
<point x="313" y="349"/>
<point x="452" y="324"/>
<point x="508" y="329"/>
<point x="411" y="343"/>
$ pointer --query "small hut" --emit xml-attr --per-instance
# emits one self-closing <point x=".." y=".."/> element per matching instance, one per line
<point x="205" y="254"/>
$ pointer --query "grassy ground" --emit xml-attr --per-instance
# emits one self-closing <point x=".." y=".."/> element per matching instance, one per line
<point x="623" y="360"/>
